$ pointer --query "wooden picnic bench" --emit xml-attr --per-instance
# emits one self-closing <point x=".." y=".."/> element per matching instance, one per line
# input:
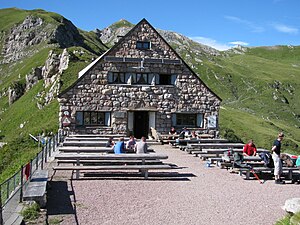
<point x="107" y="162"/>
<point x="140" y="159"/>
<point x="91" y="149"/>
<point x="201" y="146"/>
<point x="36" y="189"/>
<point x="289" y="170"/>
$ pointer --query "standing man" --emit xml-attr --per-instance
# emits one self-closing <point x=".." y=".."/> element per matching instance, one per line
<point x="276" y="158"/>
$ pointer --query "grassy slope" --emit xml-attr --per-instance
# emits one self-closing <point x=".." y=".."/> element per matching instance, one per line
<point x="246" y="85"/>
<point x="24" y="111"/>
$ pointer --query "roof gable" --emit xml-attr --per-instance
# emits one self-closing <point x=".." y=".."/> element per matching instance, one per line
<point x="145" y="32"/>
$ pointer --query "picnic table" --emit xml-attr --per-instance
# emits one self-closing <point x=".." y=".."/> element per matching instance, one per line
<point x="141" y="160"/>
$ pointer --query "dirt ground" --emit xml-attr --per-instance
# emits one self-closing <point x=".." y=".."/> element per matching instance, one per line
<point x="194" y="194"/>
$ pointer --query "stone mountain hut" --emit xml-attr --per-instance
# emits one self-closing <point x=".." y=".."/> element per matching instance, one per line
<point x="139" y="83"/>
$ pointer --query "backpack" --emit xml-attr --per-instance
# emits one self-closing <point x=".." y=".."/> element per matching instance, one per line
<point x="298" y="161"/>
<point x="287" y="160"/>
<point x="267" y="158"/>
<point x="238" y="159"/>
<point x="227" y="157"/>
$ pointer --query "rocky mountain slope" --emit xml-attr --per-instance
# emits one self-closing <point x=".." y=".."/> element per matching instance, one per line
<point x="42" y="53"/>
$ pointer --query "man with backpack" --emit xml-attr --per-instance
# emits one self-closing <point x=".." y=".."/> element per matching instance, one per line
<point x="276" y="158"/>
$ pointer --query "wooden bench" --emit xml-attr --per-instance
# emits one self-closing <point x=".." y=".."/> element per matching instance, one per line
<point x="104" y="162"/>
<point x="140" y="159"/>
<point x="36" y="189"/>
<point x="71" y="149"/>
<point x="201" y="146"/>
<point x="289" y="170"/>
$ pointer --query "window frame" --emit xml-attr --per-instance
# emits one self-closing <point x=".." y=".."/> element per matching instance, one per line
<point x="85" y="118"/>
<point x="143" y="45"/>
<point x="198" y="120"/>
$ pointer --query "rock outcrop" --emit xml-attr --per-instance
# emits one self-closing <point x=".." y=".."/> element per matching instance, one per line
<point x="30" y="32"/>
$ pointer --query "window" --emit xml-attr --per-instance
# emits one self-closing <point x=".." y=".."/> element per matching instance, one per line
<point x="187" y="119"/>
<point x="118" y="78"/>
<point x="164" y="79"/>
<point x="92" y="118"/>
<point x="143" y="45"/>
<point x="141" y="78"/>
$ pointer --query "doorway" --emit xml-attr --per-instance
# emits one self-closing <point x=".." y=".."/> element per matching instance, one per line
<point x="141" y="124"/>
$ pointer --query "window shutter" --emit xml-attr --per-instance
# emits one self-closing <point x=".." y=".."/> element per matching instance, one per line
<point x="199" y="120"/>
<point x="110" y="78"/>
<point x="173" y="79"/>
<point x="173" y="119"/>
<point x="107" y="118"/>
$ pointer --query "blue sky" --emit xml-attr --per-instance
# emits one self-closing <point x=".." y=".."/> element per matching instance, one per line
<point x="218" y="23"/>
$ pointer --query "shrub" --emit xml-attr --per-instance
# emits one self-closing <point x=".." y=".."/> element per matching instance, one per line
<point x="31" y="212"/>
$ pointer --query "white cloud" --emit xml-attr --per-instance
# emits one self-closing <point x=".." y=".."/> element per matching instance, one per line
<point x="211" y="42"/>
<point x="254" y="28"/>
<point x="217" y="45"/>
<point x="285" y="29"/>
<point x="239" y="43"/>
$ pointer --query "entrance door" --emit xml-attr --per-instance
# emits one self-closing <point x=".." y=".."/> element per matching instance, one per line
<point x="141" y="124"/>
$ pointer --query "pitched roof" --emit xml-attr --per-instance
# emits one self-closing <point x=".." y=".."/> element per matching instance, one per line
<point x="91" y="66"/>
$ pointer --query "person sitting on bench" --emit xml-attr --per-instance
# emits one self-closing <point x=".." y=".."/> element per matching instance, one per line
<point x="119" y="147"/>
<point x="131" y="143"/>
<point x="110" y="142"/>
<point x="141" y="147"/>
<point x="249" y="149"/>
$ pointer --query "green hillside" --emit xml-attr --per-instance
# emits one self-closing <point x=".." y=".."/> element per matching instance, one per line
<point x="260" y="92"/>
<point x="24" y="117"/>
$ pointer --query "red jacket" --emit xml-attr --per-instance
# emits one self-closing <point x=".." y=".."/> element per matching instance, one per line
<point x="249" y="149"/>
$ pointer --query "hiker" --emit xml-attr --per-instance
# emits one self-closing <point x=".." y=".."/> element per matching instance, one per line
<point x="131" y="143"/>
<point x="119" y="147"/>
<point x="276" y="158"/>
<point x="110" y="142"/>
<point x="172" y="134"/>
<point x="172" y="131"/>
<point x="185" y="133"/>
<point x="141" y="147"/>
<point x="194" y="135"/>
<point x="249" y="149"/>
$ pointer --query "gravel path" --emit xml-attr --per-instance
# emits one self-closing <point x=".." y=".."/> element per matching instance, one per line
<point x="200" y="195"/>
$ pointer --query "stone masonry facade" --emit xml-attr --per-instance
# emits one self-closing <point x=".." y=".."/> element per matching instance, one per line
<point x="93" y="91"/>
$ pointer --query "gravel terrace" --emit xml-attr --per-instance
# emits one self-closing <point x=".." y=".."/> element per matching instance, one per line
<point x="197" y="195"/>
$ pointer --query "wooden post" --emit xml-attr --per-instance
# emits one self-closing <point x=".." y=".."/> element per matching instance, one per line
<point x="37" y="161"/>
<point x="77" y="171"/>
<point x="21" y="189"/>
<point x="50" y="141"/>
<point x="42" y="161"/>
<point x="1" y="217"/>
<point x="30" y="169"/>
<point x="46" y="149"/>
